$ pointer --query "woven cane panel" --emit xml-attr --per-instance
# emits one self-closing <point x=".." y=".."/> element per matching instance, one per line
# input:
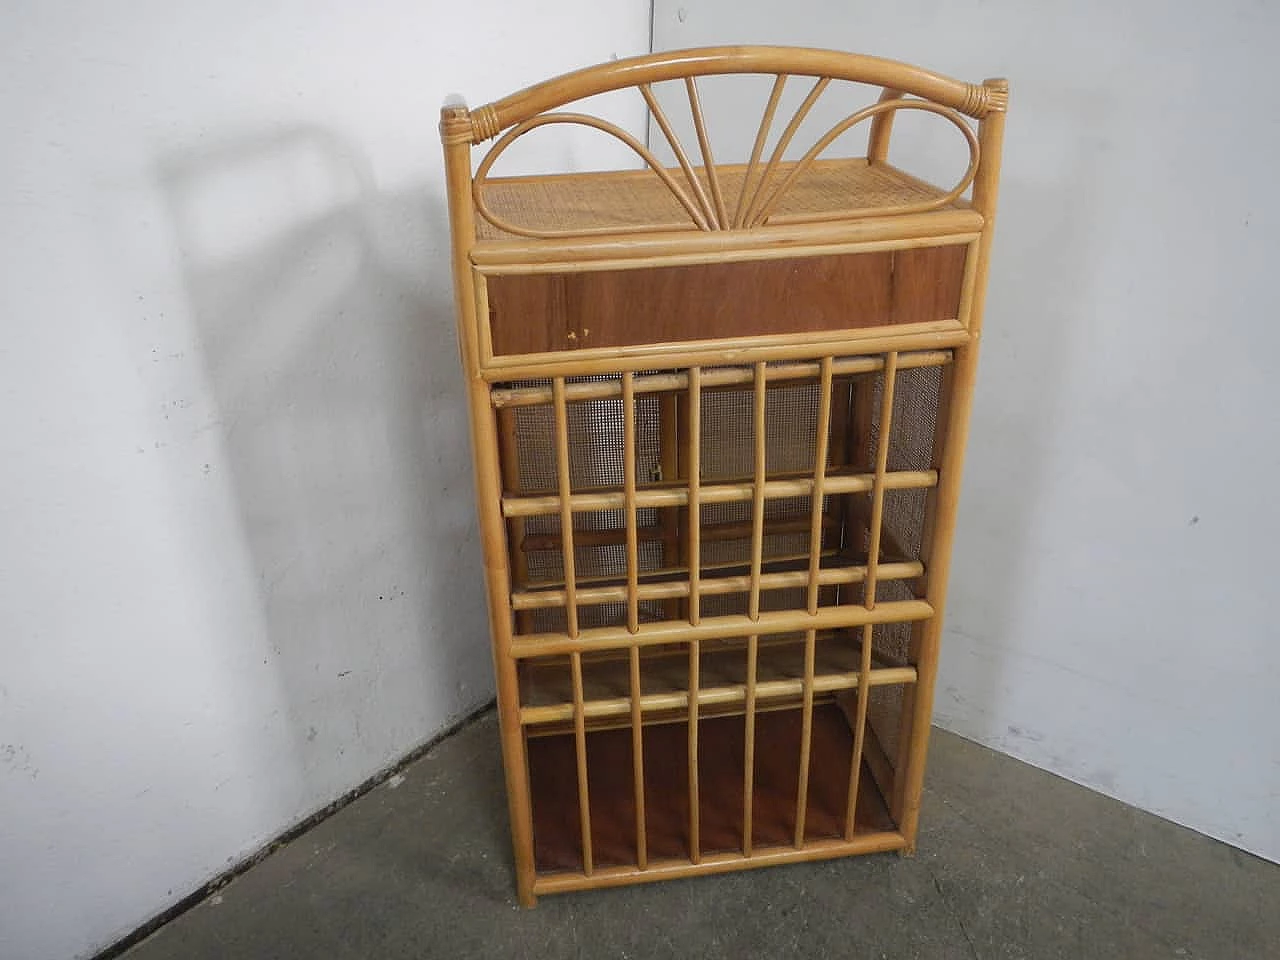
<point x="625" y="199"/>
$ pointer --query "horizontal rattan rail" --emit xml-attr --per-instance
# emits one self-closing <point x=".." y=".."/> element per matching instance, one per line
<point x="503" y="397"/>
<point x="485" y="122"/>
<point x="717" y="696"/>
<point x="718" y="628"/>
<point x="540" y="599"/>
<point x="671" y="496"/>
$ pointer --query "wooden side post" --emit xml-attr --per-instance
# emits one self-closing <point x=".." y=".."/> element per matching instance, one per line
<point x="924" y="651"/>
<point x="455" y="129"/>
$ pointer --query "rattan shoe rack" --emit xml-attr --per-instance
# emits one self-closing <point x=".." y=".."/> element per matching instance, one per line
<point x="718" y="416"/>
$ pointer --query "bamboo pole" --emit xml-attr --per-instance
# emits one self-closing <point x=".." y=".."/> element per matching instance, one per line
<point x="760" y="692"/>
<point x="492" y="118"/>
<point x="906" y="710"/>
<point x="882" y="129"/>
<point x="637" y="758"/>
<point x="733" y="492"/>
<point x="718" y="628"/>
<point x="531" y="396"/>
<point x="784" y="141"/>
<point x="543" y="599"/>
<point x="815" y="551"/>
<point x="601" y="361"/>
<point x="564" y="505"/>
<point x="669" y="470"/>
<point x="629" y="492"/>
<point x="693" y="495"/>
<point x="782" y="236"/>
<point x="869" y="588"/>
<point x="749" y="757"/>
<point x="762" y="134"/>
<point x="708" y="161"/>
<point x="760" y="398"/>
<point x="695" y="841"/>
<point x="706" y="215"/>
<point x="882" y="469"/>
<point x="806" y="735"/>
<point x="564" y="482"/>
<point x="580" y="745"/>
<point x="509" y="462"/>
<point x="985" y="196"/>
<point x="819" y="483"/>
<point x="488" y="486"/>
<point x="721" y="863"/>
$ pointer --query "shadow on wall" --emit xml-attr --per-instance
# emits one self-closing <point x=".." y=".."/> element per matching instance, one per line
<point x="324" y="314"/>
<point x="1030" y="318"/>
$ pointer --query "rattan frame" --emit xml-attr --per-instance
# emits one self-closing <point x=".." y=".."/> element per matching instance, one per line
<point x="720" y="229"/>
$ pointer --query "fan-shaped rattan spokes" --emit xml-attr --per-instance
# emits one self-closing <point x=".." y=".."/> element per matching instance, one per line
<point x="707" y="200"/>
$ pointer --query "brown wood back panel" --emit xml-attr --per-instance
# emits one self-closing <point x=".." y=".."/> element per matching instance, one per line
<point x="553" y="780"/>
<point x="619" y="308"/>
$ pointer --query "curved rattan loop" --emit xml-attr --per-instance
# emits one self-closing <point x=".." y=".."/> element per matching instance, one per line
<point x="482" y="174"/>
<point x="760" y="214"/>
<point x="975" y="100"/>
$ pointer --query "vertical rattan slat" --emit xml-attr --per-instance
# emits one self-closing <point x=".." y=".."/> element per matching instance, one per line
<point x="806" y="736"/>
<point x="580" y="746"/>
<point x="695" y="809"/>
<point x="692" y="452"/>
<point x="749" y="756"/>
<point x="820" y="452"/>
<point x="637" y="758"/>
<point x="869" y="585"/>
<point x="693" y="533"/>
<point x="760" y="461"/>
<point x="629" y="483"/>
<point x="565" y="489"/>
<point x="820" y="456"/>
<point x="941" y="523"/>
<point x="668" y="469"/>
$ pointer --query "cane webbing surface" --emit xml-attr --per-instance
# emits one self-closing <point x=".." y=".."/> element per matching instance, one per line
<point x="624" y="199"/>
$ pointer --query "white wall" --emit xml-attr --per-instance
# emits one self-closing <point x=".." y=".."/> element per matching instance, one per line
<point x="238" y="565"/>
<point x="1110" y="616"/>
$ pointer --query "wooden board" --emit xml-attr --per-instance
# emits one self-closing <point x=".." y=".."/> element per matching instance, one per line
<point x="618" y="308"/>
<point x="553" y="780"/>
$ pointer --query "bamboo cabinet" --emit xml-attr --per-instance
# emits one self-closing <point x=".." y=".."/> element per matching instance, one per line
<point x="718" y="415"/>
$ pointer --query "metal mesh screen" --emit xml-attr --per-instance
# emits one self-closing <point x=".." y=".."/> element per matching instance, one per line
<point x="595" y="443"/>
<point x="728" y="431"/>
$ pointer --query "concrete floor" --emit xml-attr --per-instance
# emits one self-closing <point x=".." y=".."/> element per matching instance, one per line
<point x="1013" y="863"/>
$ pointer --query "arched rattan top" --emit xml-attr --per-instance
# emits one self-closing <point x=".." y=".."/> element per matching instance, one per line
<point x="487" y="121"/>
